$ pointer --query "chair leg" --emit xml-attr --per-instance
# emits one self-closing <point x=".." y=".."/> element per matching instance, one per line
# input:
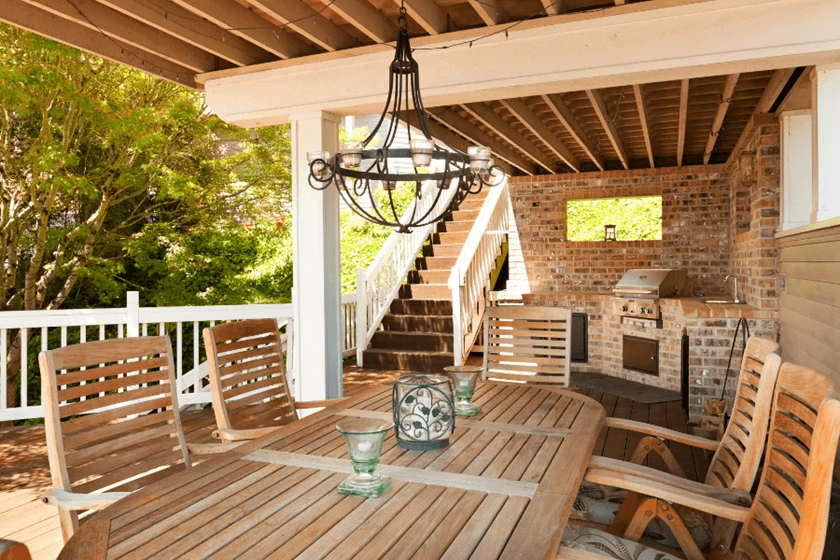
<point x="626" y="513"/>
<point x="653" y="508"/>
<point x="653" y="444"/>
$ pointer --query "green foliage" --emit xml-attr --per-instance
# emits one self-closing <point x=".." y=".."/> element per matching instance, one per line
<point x="635" y="218"/>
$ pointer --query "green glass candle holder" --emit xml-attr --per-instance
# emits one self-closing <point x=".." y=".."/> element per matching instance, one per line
<point x="464" y="379"/>
<point x="364" y="438"/>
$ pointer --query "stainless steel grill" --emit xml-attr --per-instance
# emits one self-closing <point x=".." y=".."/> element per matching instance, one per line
<point x="638" y="292"/>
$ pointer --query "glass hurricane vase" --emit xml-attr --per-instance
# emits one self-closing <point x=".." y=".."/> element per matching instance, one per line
<point x="364" y="438"/>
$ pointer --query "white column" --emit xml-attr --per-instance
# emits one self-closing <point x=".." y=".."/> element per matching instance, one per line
<point x="825" y="108"/>
<point x="317" y="271"/>
<point x="797" y="162"/>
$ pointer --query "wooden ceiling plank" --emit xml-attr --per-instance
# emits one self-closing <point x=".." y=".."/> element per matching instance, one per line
<point x="643" y="118"/>
<point x="597" y="101"/>
<point x="174" y="20"/>
<point x="683" y="117"/>
<point x="500" y="126"/>
<point x="244" y="23"/>
<point x="97" y="17"/>
<point x="532" y="122"/>
<point x="774" y="87"/>
<point x="306" y="21"/>
<point x="554" y="7"/>
<point x="20" y="14"/>
<point x="491" y="12"/>
<point x="474" y="134"/>
<point x="568" y="120"/>
<point x="429" y="16"/>
<point x="723" y="107"/>
<point x="363" y="16"/>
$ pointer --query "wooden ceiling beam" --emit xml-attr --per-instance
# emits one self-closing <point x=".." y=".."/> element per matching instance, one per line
<point x="568" y="120"/>
<point x="176" y="21"/>
<point x="597" y="100"/>
<point x="491" y="12"/>
<point x="643" y="118"/>
<point x="774" y="87"/>
<point x="554" y="7"/>
<point x="116" y="25"/>
<point x="244" y="23"/>
<point x="363" y="16"/>
<point x="726" y="100"/>
<point x="429" y="16"/>
<point x="500" y="126"/>
<point x="299" y="17"/>
<point x="534" y="123"/>
<point x="474" y="134"/>
<point x="683" y="117"/>
<point x="20" y="14"/>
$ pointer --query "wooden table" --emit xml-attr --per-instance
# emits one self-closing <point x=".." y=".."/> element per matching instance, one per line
<point x="503" y="488"/>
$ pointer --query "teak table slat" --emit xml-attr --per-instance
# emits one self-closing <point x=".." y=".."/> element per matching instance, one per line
<point x="503" y="488"/>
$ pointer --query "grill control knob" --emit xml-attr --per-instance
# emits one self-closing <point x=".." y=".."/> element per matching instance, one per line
<point x="624" y="309"/>
<point x="632" y="311"/>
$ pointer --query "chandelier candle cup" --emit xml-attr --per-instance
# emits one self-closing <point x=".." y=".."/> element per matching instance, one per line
<point x="423" y="411"/>
<point x="351" y="154"/>
<point x="364" y="441"/>
<point x="464" y="379"/>
<point x="422" y="150"/>
<point x="318" y="163"/>
<point x="480" y="158"/>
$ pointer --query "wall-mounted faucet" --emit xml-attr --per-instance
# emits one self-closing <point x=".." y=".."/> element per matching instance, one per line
<point x="728" y="276"/>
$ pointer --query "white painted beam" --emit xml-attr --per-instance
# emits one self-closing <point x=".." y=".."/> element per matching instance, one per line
<point x="641" y="43"/>
<point x="317" y="270"/>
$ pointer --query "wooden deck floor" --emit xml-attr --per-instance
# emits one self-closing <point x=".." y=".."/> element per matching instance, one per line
<point x="24" y="472"/>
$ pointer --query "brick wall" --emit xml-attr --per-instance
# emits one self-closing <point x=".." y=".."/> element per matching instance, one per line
<point x="755" y="253"/>
<point x="695" y="229"/>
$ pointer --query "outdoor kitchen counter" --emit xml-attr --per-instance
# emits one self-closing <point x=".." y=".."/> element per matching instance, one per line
<point x="695" y="307"/>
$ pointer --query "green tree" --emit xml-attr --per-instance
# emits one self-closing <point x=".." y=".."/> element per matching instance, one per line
<point x="634" y="217"/>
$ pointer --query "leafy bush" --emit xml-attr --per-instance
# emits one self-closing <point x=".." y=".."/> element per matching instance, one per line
<point x="635" y="218"/>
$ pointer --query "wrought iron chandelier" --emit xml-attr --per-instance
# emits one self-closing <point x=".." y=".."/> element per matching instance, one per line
<point x="360" y="167"/>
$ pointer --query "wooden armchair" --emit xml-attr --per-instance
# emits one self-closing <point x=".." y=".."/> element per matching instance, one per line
<point x="527" y="343"/>
<point x="732" y="471"/>
<point x="248" y="380"/>
<point x="112" y="422"/>
<point x="788" y="519"/>
<point x="656" y="437"/>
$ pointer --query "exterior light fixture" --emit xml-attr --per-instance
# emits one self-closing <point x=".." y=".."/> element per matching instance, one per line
<point x="609" y="233"/>
<point x="747" y="168"/>
<point x="359" y="167"/>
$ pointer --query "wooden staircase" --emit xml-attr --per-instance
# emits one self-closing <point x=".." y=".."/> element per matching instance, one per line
<point x="416" y="334"/>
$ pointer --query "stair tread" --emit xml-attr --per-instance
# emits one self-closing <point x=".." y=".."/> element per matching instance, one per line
<point x="400" y="351"/>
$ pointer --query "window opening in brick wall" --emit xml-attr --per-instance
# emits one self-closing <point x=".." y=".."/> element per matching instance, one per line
<point x="635" y="217"/>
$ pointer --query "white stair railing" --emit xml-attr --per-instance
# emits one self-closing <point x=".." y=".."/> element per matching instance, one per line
<point x="378" y="286"/>
<point x="470" y="278"/>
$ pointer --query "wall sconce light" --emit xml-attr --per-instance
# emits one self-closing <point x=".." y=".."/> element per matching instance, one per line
<point x="609" y="233"/>
<point x="747" y="165"/>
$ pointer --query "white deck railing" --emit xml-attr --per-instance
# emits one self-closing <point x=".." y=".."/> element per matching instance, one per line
<point x="44" y="330"/>
<point x="378" y="285"/>
<point x="470" y="276"/>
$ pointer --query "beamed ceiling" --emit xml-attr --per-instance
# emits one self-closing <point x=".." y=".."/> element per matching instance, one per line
<point x="644" y="125"/>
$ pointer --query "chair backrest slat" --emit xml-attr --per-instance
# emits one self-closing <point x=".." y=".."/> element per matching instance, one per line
<point x="736" y="462"/>
<point x="248" y="375"/>
<point x="111" y="416"/>
<point x="789" y="516"/>
<point x="528" y="343"/>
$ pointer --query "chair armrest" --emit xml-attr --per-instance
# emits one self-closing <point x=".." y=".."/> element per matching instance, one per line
<point x="664" y="433"/>
<point x="211" y="448"/>
<point x="318" y="404"/>
<point x="228" y="434"/>
<point x="730" y="495"/>
<point x="11" y="550"/>
<point x="69" y="501"/>
<point x="702" y="502"/>
<point x="577" y="554"/>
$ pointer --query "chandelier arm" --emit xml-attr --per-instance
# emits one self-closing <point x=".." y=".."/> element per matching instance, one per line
<point x="354" y="204"/>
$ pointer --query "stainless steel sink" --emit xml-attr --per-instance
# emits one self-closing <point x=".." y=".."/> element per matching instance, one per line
<point x="721" y="301"/>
